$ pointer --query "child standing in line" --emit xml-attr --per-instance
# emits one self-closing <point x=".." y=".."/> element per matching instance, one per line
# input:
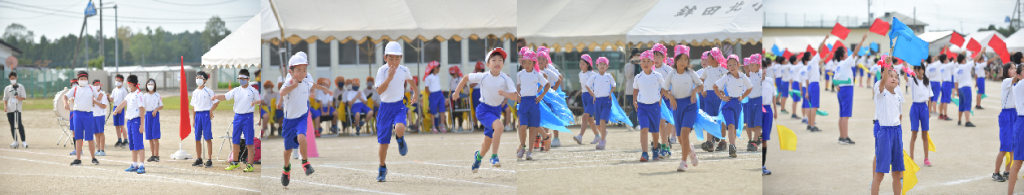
<point x="1007" y="117"/>
<point x="116" y="97"/>
<point x="844" y="79"/>
<point x="919" y="116"/>
<point x="889" y="138"/>
<point x="794" y="84"/>
<point x="768" y="115"/>
<point x="712" y="103"/>
<point x="752" y="116"/>
<point x="153" y="103"/>
<point x="1018" y="124"/>
<point x="496" y="86"/>
<point x="99" y="113"/>
<point x="732" y="88"/>
<point x="946" y="68"/>
<point x="132" y="107"/>
<point x="963" y="82"/>
<point x="432" y="83"/>
<point x="246" y="99"/>
<point x="661" y="66"/>
<point x="586" y="71"/>
<point x="648" y="88"/>
<point x="295" y="92"/>
<point x="684" y="84"/>
<point x="202" y="103"/>
<point x="532" y="87"/>
<point x="392" y="112"/>
<point x="932" y="71"/>
<point x="601" y="85"/>
<point x="782" y="82"/>
<point x="82" y="99"/>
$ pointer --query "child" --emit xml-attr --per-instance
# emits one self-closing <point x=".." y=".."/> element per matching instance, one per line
<point x="920" y="93"/>
<point x="667" y="138"/>
<point x="495" y="87"/>
<point x="14" y="95"/>
<point x="117" y="96"/>
<point x="813" y="88"/>
<point x="326" y="106"/>
<point x="392" y="111"/>
<point x="82" y="99"/>
<point x="648" y="88"/>
<point x="532" y="87"/>
<point x="732" y="88"/>
<point x="99" y="113"/>
<point x="268" y="97"/>
<point x="963" y="82"/>
<point x="684" y="84"/>
<point x="456" y="76"/>
<point x="246" y="99"/>
<point x="800" y="75"/>
<point x="712" y="103"/>
<point x="844" y="79"/>
<point x="782" y="82"/>
<point x="933" y="71"/>
<point x="202" y="103"/>
<point x="947" y="86"/>
<point x="294" y="101"/>
<point x="1018" y="124"/>
<point x="475" y="96"/>
<point x="437" y="107"/>
<point x="768" y="115"/>
<point x="752" y="117"/>
<point x="1007" y="117"/>
<point x="357" y="106"/>
<point x="795" y="84"/>
<point x="555" y="79"/>
<point x="132" y="107"/>
<point x="586" y="71"/>
<point x="153" y="103"/>
<point x="602" y="85"/>
<point x="888" y="138"/>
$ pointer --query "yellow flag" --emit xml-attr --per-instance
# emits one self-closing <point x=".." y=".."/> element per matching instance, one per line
<point x="910" y="175"/>
<point x="1009" y="158"/>
<point x="787" y="139"/>
<point x="931" y="146"/>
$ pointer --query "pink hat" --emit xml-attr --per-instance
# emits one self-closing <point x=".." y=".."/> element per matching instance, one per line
<point x="755" y="59"/>
<point x="528" y="55"/>
<point x="586" y="57"/>
<point x="746" y="61"/>
<point x="658" y="47"/>
<point x="647" y="54"/>
<point x="705" y="55"/>
<point x="543" y="54"/>
<point x="734" y="57"/>
<point x="602" y="60"/>
<point x="670" y="62"/>
<point x="682" y="49"/>
<point x="523" y="50"/>
<point x="543" y="49"/>
<point x="717" y="55"/>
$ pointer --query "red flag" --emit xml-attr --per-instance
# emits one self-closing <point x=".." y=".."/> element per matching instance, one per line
<point x="786" y="54"/>
<point x="999" y="47"/>
<point x="184" y="124"/>
<point x="879" y="26"/>
<point x="840" y="31"/>
<point x="839" y="44"/>
<point x="973" y="46"/>
<point x="811" y="49"/>
<point x="957" y="39"/>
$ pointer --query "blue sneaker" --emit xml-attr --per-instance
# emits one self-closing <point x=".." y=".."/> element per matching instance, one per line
<point x="643" y="157"/>
<point x="655" y="154"/>
<point x="495" y="162"/>
<point x="402" y="149"/>
<point x="130" y="169"/>
<point x="382" y="172"/>
<point x="476" y="162"/>
<point x="765" y="171"/>
<point x="141" y="170"/>
<point x="72" y="152"/>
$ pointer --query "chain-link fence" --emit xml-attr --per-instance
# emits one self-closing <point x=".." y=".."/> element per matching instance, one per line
<point x="42" y="83"/>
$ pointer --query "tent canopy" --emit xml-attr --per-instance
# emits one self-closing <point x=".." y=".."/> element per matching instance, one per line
<point x="933" y="36"/>
<point x="347" y="20"/>
<point x="576" y="24"/>
<point x="1015" y="43"/>
<point x="239" y="49"/>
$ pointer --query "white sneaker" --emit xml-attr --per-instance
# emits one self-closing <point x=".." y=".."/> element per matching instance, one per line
<point x="529" y="155"/>
<point x="693" y="155"/>
<point x="15" y="144"/>
<point x="578" y="139"/>
<point x="597" y="138"/>
<point x="24" y="144"/>
<point x="508" y="128"/>
<point x="637" y="128"/>
<point x="682" y="166"/>
<point x="600" y="145"/>
<point x="556" y="143"/>
<point x="672" y="140"/>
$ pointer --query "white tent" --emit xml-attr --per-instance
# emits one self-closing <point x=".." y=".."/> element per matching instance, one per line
<point x="982" y="37"/>
<point x="239" y="49"/>
<point x="310" y="20"/>
<point x="1015" y="43"/>
<point x="576" y="24"/>
<point x="796" y="43"/>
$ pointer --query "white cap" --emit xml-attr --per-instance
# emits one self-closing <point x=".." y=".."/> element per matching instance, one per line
<point x="393" y="48"/>
<point x="298" y="59"/>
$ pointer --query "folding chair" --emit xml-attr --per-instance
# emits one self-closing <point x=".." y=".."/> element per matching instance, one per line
<point x="224" y="138"/>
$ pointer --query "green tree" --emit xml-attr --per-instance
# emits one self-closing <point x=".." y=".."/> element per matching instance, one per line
<point x="18" y="33"/>
<point x="142" y="46"/>
<point x="214" y="32"/>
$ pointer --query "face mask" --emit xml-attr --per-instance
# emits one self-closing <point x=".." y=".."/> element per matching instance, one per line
<point x="199" y="81"/>
<point x="369" y="84"/>
<point x="116" y="83"/>
<point x="83" y="83"/>
<point x="150" y="87"/>
<point x="14" y="81"/>
<point x="355" y="87"/>
<point x="243" y="81"/>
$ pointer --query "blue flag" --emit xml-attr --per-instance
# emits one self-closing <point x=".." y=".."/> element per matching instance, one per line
<point x="864" y="51"/>
<point x="906" y="45"/>
<point x="874" y="47"/>
<point x="829" y="45"/>
<point x="775" y="50"/>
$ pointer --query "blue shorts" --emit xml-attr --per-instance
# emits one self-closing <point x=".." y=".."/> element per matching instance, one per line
<point x="919" y="116"/>
<point x="783" y="88"/>
<point x="476" y="97"/>
<point x="1018" y="138"/>
<point x="118" y="118"/>
<point x="807" y="102"/>
<point x="795" y="86"/>
<point x="1006" y="119"/>
<point x="487" y="114"/>
<point x="712" y="103"/>
<point x="152" y="125"/>
<point x="649" y="116"/>
<point x="279" y="115"/>
<point x="203" y="128"/>
<point x="936" y="90"/>
<point x="947" y="92"/>
<point x="845" y="101"/>
<point x="99" y="122"/>
<point x="315" y="113"/>
<point x="731" y="111"/>
<point x="860" y="72"/>
<point x="766" y="125"/>
<point x="827" y="72"/>
<point x="588" y="104"/>
<point x="752" y="114"/>
<point x="390" y="114"/>
<point x="814" y="95"/>
<point x="83" y="125"/>
<point x="874" y="129"/>
<point x="684" y="115"/>
<point x="981" y="85"/>
<point x="242" y="125"/>
<point x="529" y="111"/>
<point x="134" y="136"/>
<point x="359" y="108"/>
<point x="291" y="128"/>
<point x="965" y="99"/>
<point x="889" y="149"/>
<point x="603" y="109"/>
<point x="436" y="101"/>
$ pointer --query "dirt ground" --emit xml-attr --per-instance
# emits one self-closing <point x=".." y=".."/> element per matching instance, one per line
<point x="43" y="167"/>
<point x="963" y="163"/>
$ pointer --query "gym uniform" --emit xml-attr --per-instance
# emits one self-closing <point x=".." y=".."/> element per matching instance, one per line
<point x="202" y="103"/>
<point x="529" y="109"/>
<point x="490" y="107"/>
<point x="242" y="124"/>
<point x="392" y="111"/>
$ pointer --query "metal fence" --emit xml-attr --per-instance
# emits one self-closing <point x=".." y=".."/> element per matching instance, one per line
<point x="42" y="83"/>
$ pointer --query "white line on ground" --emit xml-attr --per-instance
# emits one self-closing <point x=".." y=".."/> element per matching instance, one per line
<point x="648" y="163"/>
<point x="142" y="175"/>
<point x="428" y="177"/>
<point x="336" y="186"/>
<point x="463" y="166"/>
<point x="126" y="162"/>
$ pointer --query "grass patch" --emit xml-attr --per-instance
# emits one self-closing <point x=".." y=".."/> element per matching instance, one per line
<point x="170" y="103"/>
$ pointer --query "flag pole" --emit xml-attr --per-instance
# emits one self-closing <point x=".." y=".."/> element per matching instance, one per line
<point x="183" y="125"/>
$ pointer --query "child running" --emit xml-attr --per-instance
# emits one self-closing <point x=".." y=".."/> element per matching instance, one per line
<point x="391" y="114"/>
<point x="132" y="107"/>
<point x="295" y="93"/>
<point x="496" y="86"/>
<point x="246" y="100"/>
<point x="684" y="85"/>
<point x="920" y="94"/>
<point x="532" y="87"/>
<point x="601" y="85"/>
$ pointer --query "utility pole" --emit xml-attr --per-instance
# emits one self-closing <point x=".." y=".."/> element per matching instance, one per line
<point x="102" y="62"/>
<point x="117" y="66"/>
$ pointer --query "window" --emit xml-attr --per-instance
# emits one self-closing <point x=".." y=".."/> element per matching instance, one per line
<point x="323" y="54"/>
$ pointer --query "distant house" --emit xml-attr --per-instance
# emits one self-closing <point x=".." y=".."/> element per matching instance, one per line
<point x="917" y="26"/>
<point x="7" y="50"/>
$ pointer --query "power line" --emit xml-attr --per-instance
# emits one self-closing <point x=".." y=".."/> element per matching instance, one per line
<point x="123" y="17"/>
<point x="62" y="9"/>
<point x="205" y="4"/>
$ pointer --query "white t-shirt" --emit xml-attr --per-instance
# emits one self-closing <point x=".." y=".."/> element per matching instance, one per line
<point x="813" y="69"/>
<point x="784" y="71"/>
<point x="664" y="69"/>
<point x="734" y="86"/>
<point x="529" y="81"/>
<point x="800" y="75"/>
<point x="433" y="82"/>
<point x="201" y="99"/>
<point x="96" y="110"/>
<point x="963" y="75"/>
<point x="396" y="89"/>
<point x="650" y="86"/>
<point x="934" y="72"/>
<point x="767" y="91"/>
<point x="244" y="97"/>
<point x="979" y="69"/>
<point x="13" y="104"/>
<point x="1018" y="97"/>
<point x="755" y="81"/>
<point x="151" y="101"/>
<point x="843" y="71"/>
<point x="83" y="97"/>
<point x="552" y="74"/>
<point x="947" y="71"/>
<point x="777" y="68"/>
<point x="352" y="97"/>
<point x="601" y="84"/>
<point x="888" y="106"/>
<point x="454" y="83"/>
<point x="769" y="71"/>
<point x="118" y="95"/>
<point x="490" y="85"/>
<point x="296" y="102"/>
<point x="919" y="92"/>
<point x="584" y="76"/>
<point x="134" y="101"/>
<point x="1007" y="93"/>
<point x="681" y="85"/>
<point x="712" y="74"/>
